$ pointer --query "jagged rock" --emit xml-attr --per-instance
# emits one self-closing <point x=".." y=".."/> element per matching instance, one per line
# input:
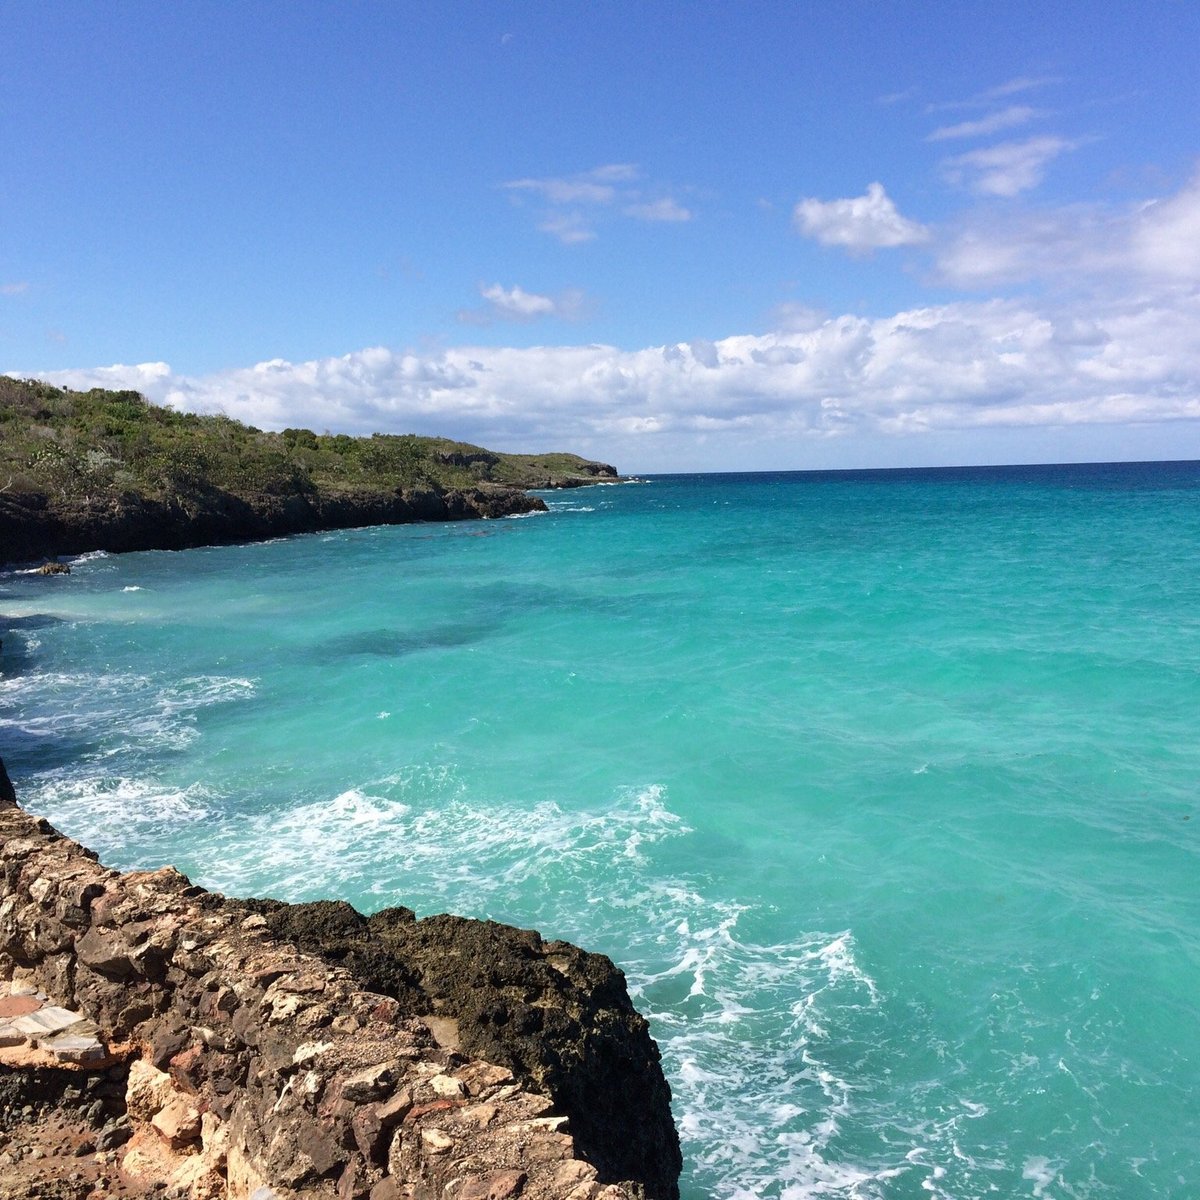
<point x="124" y="522"/>
<point x="293" y="1048"/>
<point x="7" y="795"/>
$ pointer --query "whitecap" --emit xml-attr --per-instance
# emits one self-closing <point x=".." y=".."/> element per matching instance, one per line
<point x="112" y="806"/>
<point x="1040" y="1172"/>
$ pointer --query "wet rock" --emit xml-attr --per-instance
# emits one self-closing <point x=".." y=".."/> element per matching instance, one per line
<point x="7" y="795"/>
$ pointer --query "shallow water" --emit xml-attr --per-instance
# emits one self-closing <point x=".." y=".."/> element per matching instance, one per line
<point x="880" y="786"/>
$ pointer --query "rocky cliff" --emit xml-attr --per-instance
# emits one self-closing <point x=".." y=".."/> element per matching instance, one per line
<point x="34" y="526"/>
<point x="159" y="1039"/>
<point x="105" y="470"/>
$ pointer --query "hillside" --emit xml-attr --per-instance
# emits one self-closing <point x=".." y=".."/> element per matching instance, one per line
<point x="109" y="470"/>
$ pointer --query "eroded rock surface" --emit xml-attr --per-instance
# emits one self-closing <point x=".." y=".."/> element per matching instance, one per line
<point x="213" y="1048"/>
<point x="33" y="525"/>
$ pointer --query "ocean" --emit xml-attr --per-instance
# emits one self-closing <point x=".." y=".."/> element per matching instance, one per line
<point x="880" y="786"/>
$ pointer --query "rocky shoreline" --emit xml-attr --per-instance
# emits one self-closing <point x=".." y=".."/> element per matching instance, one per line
<point x="104" y="470"/>
<point x="157" y="1039"/>
<point x="33" y="527"/>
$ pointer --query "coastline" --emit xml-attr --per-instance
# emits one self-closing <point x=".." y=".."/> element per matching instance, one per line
<point x="238" y="1049"/>
<point x="33" y="530"/>
<point x="102" y="470"/>
<point x="501" y="1065"/>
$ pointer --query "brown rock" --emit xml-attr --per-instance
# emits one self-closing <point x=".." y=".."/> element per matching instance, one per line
<point x="288" y="1070"/>
<point x="18" y="1006"/>
<point x="178" y="1123"/>
<point x="500" y="1185"/>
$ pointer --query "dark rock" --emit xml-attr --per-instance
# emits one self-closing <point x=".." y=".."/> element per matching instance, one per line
<point x="355" y="1044"/>
<point x="558" y="1017"/>
<point x="7" y="795"/>
<point x="115" y="1133"/>
<point x="34" y="526"/>
<point x="106" y="953"/>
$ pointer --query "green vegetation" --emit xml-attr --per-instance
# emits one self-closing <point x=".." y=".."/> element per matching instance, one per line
<point x="77" y="445"/>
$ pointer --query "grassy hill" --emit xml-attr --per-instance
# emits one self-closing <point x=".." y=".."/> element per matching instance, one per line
<point x="109" y="470"/>
<point x="75" y="444"/>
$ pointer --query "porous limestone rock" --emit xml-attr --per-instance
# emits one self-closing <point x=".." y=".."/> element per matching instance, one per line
<point x="255" y="1048"/>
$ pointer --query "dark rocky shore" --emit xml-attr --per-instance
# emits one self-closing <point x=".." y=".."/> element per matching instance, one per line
<point x="105" y="470"/>
<point x="33" y="526"/>
<point x="157" y="1039"/>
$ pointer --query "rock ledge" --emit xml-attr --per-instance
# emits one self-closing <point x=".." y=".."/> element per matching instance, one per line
<point x="210" y="1048"/>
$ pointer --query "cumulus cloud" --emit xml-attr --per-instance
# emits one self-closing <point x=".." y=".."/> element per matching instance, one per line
<point x="1155" y="243"/>
<point x="516" y="304"/>
<point x="1006" y="169"/>
<point x="953" y="367"/>
<point x="860" y="223"/>
<point x="1006" y="118"/>
<point x="1166" y="235"/>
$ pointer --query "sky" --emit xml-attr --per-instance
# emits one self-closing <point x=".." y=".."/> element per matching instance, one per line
<point x="673" y="236"/>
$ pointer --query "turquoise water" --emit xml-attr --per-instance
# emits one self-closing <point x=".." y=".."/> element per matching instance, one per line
<point x="882" y="788"/>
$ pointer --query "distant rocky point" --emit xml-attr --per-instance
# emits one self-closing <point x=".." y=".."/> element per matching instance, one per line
<point x="106" y="470"/>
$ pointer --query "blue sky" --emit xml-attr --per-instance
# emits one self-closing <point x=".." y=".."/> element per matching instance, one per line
<point x="675" y="236"/>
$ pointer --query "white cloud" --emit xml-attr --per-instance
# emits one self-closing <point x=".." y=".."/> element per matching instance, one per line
<point x="570" y="228"/>
<point x="588" y="187"/>
<point x="1155" y="243"/>
<point x="516" y="304"/>
<point x="574" y="204"/>
<point x="1008" y="168"/>
<point x="897" y="97"/>
<point x="1006" y="118"/>
<point x="860" y="223"/>
<point x="14" y="289"/>
<point x="1022" y="83"/>
<point x="1166" y="236"/>
<point x="966" y="366"/>
<point x="566" y="191"/>
<point x="665" y="209"/>
<point x="1002" y="91"/>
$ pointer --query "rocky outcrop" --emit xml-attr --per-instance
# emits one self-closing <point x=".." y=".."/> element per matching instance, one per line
<point x="219" y="1048"/>
<point x="559" y="1018"/>
<point x="548" y="472"/>
<point x="32" y="526"/>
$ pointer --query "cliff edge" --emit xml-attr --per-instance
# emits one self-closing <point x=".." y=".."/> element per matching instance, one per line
<point x="105" y="470"/>
<point x="157" y="1039"/>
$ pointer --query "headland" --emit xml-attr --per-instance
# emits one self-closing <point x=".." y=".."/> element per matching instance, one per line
<point x="106" y="470"/>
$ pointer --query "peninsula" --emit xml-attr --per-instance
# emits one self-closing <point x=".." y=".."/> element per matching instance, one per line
<point x="107" y="470"/>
